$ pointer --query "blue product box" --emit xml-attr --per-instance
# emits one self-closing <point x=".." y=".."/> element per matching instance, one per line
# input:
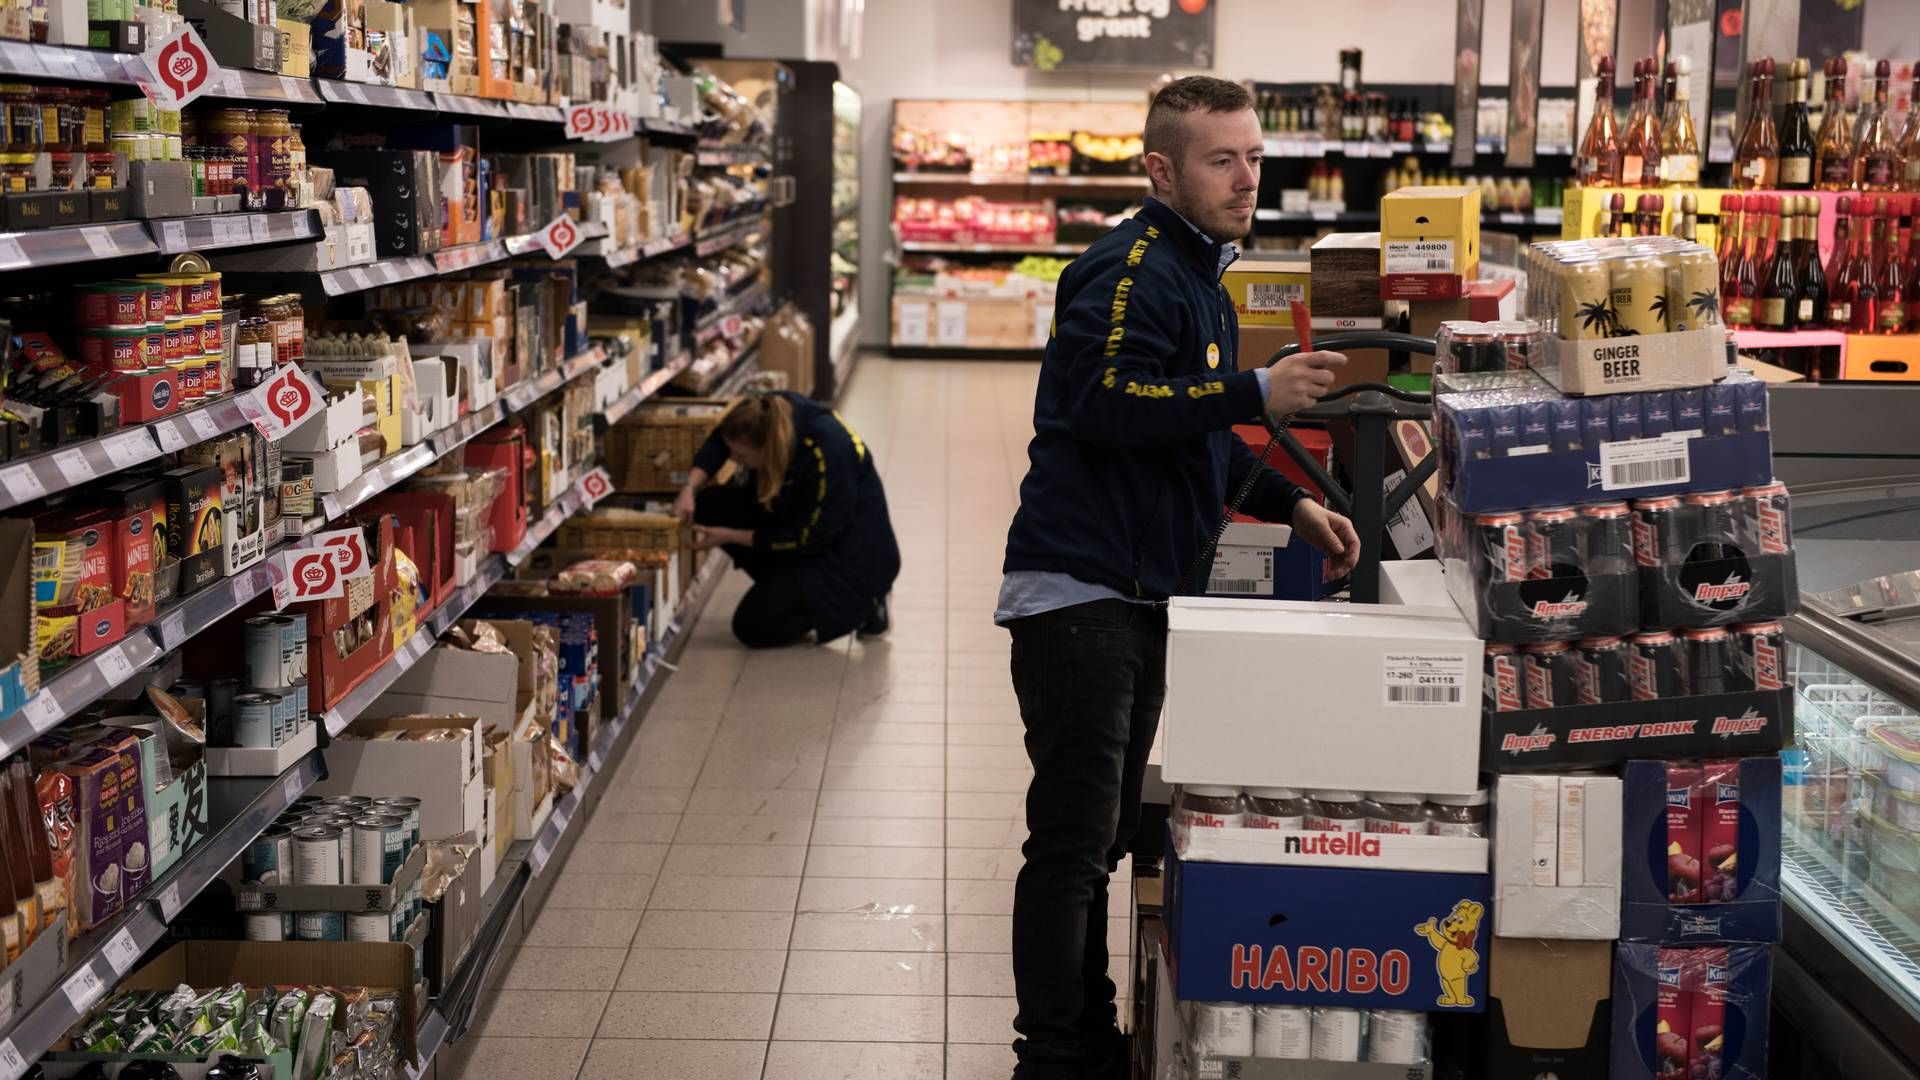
<point x="1311" y="935"/>
<point x="1753" y="915"/>
<point x="1713" y="1001"/>
<point x="1245" y="565"/>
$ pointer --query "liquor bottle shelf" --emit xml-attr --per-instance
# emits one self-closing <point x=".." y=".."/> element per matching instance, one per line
<point x="942" y="247"/>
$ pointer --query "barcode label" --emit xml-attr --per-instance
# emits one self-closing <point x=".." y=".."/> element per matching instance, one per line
<point x="1423" y="695"/>
<point x="1418" y="257"/>
<point x="1273" y="295"/>
<point x="1234" y="585"/>
<point x="1424" y="678"/>
<point x="1645" y="462"/>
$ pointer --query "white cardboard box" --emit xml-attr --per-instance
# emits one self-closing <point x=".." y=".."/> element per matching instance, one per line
<point x="1245" y="557"/>
<point x="1314" y="695"/>
<point x="330" y="426"/>
<point x="1589" y="911"/>
<point x="1360" y="851"/>
<point x="1415" y="583"/>
<point x="456" y="681"/>
<point x="445" y="776"/>
<point x="261" y="760"/>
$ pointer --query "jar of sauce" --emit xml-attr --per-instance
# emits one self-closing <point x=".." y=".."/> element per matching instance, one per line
<point x="1397" y="812"/>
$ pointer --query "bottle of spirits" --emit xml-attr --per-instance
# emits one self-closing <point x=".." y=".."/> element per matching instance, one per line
<point x="1813" y="278"/>
<point x="1650" y="129"/>
<point x="1679" y="145"/>
<point x="1599" y="162"/>
<point x="1796" y="133"/>
<point x="1842" y="231"/>
<point x="1779" y="291"/>
<point x="1833" y="150"/>
<point x="1910" y="142"/>
<point x="1862" y="275"/>
<point x="1878" y="156"/>
<point x="1729" y="238"/>
<point x="1892" y="276"/>
<point x="1756" y="164"/>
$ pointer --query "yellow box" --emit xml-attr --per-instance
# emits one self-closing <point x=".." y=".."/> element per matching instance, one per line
<point x="1262" y="285"/>
<point x="1429" y="242"/>
<point x="296" y="47"/>
<point x="1584" y="210"/>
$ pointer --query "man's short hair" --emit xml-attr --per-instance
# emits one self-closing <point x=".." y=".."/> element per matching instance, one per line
<point x="1166" y="128"/>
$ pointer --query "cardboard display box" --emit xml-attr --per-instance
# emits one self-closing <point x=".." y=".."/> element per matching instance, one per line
<point x="1403" y="684"/>
<point x="445" y="776"/>
<point x="288" y="896"/>
<point x="1730" y="811"/>
<point x="1556" y="857"/>
<point x="1671" y="361"/>
<point x="1549" y="1008"/>
<point x="1299" y="847"/>
<point x="1748" y="722"/>
<point x="1346" y="276"/>
<point x="455" y="681"/>
<point x="1711" y="1000"/>
<point x="1429" y="242"/>
<point x="455" y="923"/>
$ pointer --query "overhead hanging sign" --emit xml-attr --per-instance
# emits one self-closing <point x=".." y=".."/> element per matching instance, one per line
<point x="1050" y="35"/>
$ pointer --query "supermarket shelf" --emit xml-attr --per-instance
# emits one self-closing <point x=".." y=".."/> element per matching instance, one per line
<point x="214" y="231"/>
<point x="653" y="125"/>
<point x="485" y="108"/>
<point x="744" y="367"/>
<point x="75" y="243"/>
<point x="98" y="960"/>
<point x="26" y="479"/>
<point x="244" y="85"/>
<point x="1792" y="339"/>
<point x="652" y="249"/>
<point x="648" y="387"/>
<point x="1130" y="183"/>
<point x="542" y="114"/>
<point x="341" y="92"/>
<point x="727" y="235"/>
<point x="1542" y="216"/>
<point x="725" y="316"/>
<point x="1321" y="217"/>
<point x="709" y="154"/>
<point x="991" y="249"/>
<point x="353" y="279"/>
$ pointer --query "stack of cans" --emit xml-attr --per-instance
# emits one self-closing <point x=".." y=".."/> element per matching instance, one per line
<point x="272" y="708"/>
<point x="336" y="840"/>
<point x="1647" y="666"/>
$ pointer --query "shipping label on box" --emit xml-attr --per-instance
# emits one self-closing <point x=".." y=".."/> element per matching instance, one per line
<point x="1369" y="939"/>
<point x="1264" y="288"/>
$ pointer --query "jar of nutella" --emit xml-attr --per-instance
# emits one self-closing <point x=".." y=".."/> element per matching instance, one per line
<point x="1275" y="808"/>
<point x="1459" y="815"/>
<point x="1397" y="812"/>
<point x="1202" y="806"/>
<point x="1335" y="811"/>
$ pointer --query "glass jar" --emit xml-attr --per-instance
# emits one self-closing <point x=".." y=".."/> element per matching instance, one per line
<point x="23" y="117"/>
<point x="16" y="173"/>
<point x="253" y="348"/>
<point x="234" y="131"/>
<point x="272" y="142"/>
<point x="1276" y="808"/>
<point x="1459" y="815"/>
<point x="1397" y="812"/>
<point x="1203" y="806"/>
<point x="1335" y="811"/>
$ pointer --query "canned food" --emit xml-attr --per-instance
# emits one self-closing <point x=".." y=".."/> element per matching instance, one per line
<point x="294" y="640"/>
<point x="268" y="860"/>
<point x="1503" y="678"/>
<point x="253" y="720"/>
<point x="1609" y="537"/>
<point x="116" y="349"/>
<point x="319" y="926"/>
<point x="1766" y="528"/>
<point x="1336" y="1034"/>
<point x="1760" y="659"/>
<point x="1282" y="1032"/>
<point x="1601" y="671"/>
<point x="370" y="926"/>
<point x="1550" y="675"/>
<point x="220" y="695"/>
<point x="379" y="845"/>
<point x="1222" y="1028"/>
<point x="1655" y="671"/>
<point x="1397" y="1036"/>
<point x="298" y="692"/>
<point x="264" y="657"/>
<point x="1708" y="657"/>
<point x="1553" y="543"/>
<point x="406" y="807"/>
<point x="316" y="856"/>
<point x="111" y="305"/>
<point x="269" y="925"/>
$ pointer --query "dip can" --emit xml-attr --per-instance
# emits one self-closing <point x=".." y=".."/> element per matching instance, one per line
<point x="319" y="926"/>
<point x="379" y="845"/>
<point x="269" y="926"/>
<point x="112" y="305"/>
<point x="253" y="720"/>
<point x="316" y="856"/>
<point x="269" y="859"/>
<point x="116" y="349"/>
<point x="193" y="379"/>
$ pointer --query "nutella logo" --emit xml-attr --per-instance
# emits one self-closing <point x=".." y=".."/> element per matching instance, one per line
<point x="1329" y="971"/>
<point x="1537" y="739"/>
<point x="1732" y="589"/>
<point x="1747" y="723"/>
<point x="1207" y="821"/>
<point x="1334" y="843"/>
<point x="1559" y="609"/>
<point x="1766" y="665"/>
<point x="1773" y="528"/>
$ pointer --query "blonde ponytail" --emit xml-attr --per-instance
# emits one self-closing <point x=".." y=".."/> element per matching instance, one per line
<point x="764" y="422"/>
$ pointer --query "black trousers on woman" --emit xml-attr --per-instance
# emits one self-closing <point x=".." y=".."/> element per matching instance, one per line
<point x="774" y="611"/>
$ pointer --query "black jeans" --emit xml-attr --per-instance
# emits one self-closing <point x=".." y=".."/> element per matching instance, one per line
<point x="774" y="610"/>
<point x="1090" y="679"/>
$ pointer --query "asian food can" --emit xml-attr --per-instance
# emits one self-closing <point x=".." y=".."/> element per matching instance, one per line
<point x="370" y="926"/>
<point x="294" y="645"/>
<point x="269" y="925"/>
<point x="269" y="859"/>
<point x="406" y="807"/>
<point x="319" y="926"/>
<point x="316" y="855"/>
<point x="379" y="846"/>
<point x="266" y="650"/>
<point x="253" y="717"/>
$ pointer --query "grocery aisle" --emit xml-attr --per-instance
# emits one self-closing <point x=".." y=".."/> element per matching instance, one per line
<point x="804" y="867"/>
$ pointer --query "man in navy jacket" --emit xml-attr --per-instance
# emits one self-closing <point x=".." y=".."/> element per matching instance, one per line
<point x="1129" y="469"/>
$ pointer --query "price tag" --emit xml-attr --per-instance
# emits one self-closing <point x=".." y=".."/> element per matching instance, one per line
<point x="173" y="630"/>
<point x="83" y="989"/>
<point x="101" y="243"/>
<point x="11" y="253"/>
<point x="594" y="760"/>
<point x="290" y="88"/>
<point x="542" y="851"/>
<point x="22" y="485"/>
<point x="173" y="236"/>
<point x="359" y="278"/>
<point x="169" y="902"/>
<point x="290" y="787"/>
<point x="202" y="424"/>
<point x="128" y="449"/>
<point x="12" y="1065"/>
<point x="42" y="711"/>
<point x="74" y="466"/>
<point x="169" y="437"/>
<point x="122" y="952"/>
<point x="115" y="666"/>
<point x="260" y="230"/>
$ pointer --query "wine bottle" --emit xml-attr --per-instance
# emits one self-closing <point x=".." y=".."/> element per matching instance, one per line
<point x="1779" y="292"/>
<point x="1862" y="276"/>
<point x="1878" y="157"/>
<point x="1910" y="141"/>
<point x="1756" y="164"/>
<point x="1796" y="133"/>
<point x="1813" y="278"/>
<point x="1599" y="161"/>
<point x="1633" y="133"/>
<point x="1679" y="145"/>
<point x="1833" y="150"/>
<point x="1892" y="275"/>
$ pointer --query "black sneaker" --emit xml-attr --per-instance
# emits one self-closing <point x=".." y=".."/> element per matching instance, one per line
<point x="876" y="625"/>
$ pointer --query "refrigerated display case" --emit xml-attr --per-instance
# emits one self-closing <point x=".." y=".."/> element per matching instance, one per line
<point x="1847" y="993"/>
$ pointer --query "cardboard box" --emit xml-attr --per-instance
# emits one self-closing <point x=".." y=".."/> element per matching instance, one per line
<point x="1671" y="361"/>
<point x="40" y="965"/>
<point x="1750" y="722"/>
<point x="173" y="775"/>
<point x="1362" y="851"/>
<point x="455" y="923"/>
<point x="455" y="681"/>
<point x="1429" y="242"/>
<point x="1736" y="982"/>
<point x="288" y="896"/>
<point x="613" y="625"/>
<point x="1404" y="684"/>
<point x="1258" y="344"/>
<point x="263" y="760"/>
<point x="1263" y="285"/>
<point x="444" y="776"/>
<point x="1579" y="894"/>
<point x="1549" y="1008"/>
<point x="1346" y="276"/>
<point x="1747" y="794"/>
<point x="1406" y="940"/>
<point x="1482" y="301"/>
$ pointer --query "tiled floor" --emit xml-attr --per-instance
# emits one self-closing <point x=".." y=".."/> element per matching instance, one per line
<point x="804" y="868"/>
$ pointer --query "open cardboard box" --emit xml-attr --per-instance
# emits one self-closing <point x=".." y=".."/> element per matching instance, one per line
<point x="444" y="775"/>
<point x="1549" y="1008"/>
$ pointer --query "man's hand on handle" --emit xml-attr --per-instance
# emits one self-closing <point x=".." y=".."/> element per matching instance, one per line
<point x="1299" y="381"/>
<point x="1331" y="533"/>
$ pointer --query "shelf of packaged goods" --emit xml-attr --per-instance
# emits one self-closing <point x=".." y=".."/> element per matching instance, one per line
<point x="464" y="105"/>
<point x="990" y="179"/>
<point x="352" y="279"/>
<point x="27" y="479"/>
<point x="722" y="237"/>
<point x="98" y="959"/>
<point x="1539" y="217"/>
<point x="1790" y="339"/>
<point x="744" y="367"/>
<point x="944" y="248"/>
<point x="726" y="315"/>
<point x="211" y="232"/>
<point x="649" y="386"/>
<point x="710" y="154"/>
<point x="342" y="92"/>
<point x="1322" y="217"/>
<point x="653" y="125"/>
<point x="265" y="87"/>
<point x="652" y="249"/>
<point x="34" y="248"/>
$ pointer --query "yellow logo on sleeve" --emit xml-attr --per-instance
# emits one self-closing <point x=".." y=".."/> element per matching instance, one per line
<point x="1213" y="354"/>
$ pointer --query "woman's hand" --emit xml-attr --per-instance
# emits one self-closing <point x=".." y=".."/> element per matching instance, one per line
<point x="1331" y="533"/>
<point x="683" y="505"/>
<point x="710" y="536"/>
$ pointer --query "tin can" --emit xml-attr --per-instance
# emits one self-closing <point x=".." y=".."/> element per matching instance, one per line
<point x="269" y="858"/>
<point x="1585" y="305"/>
<point x="1708" y="660"/>
<point x="253" y="720"/>
<point x="1760" y="657"/>
<point x="295" y="637"/>
<point x="1655" y="669"/>
<point x="263" y="651"/>
<point x="279" y="702"/>
<point x="1657" y="537"/>
<point x="305" y="802"/>
<point x="1503" y="678"/>
<point x="348" y="800"/>
<point x="116" y="349"/>
<point x="1397" y="1036"/>
<point x="298" y="693"/>
<point x="319" y="926"/>
<point x="1693" y="290"/>
<point x="379" y="846"/>
<point x="269" y="925"/>
<point x="1550" y="680"/>
<point x="1601" y="671"/>
<point x="343" y="825"/>
<point x="1709" y="519"/>
<point x="220" y="695"/>
<point x="405" y="807"/>
<point x="1765" y="527"/>
<point x="1553" y="543"/>
<point x="1282" y="1032"/>
<point x="370" y="926"/>
<point x="1503" y="540"/>
<point x="193" y="379"/>
<point x="1222" y="1028"/>
<point x="111" y="305"/>
<point x="1639" y="286"/>
<point x="188" y="688"/>
<point x="1608" y="529"/>
<point x="1520" y="342"/>
<point x="316" y="856"/>
<point x="1336" y="1034"/>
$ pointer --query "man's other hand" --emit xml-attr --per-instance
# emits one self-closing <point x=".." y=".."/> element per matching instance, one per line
<point x="1300" y="380"/>
<point x="1331" y="533"/>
